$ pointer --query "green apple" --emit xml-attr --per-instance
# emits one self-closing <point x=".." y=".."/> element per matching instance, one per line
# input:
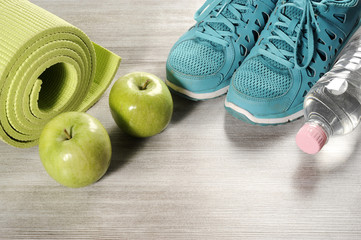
<point x="75" y="149"/>
<point x="141" y="104"/>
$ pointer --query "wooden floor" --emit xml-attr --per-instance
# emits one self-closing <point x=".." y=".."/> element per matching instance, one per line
<point x="208" y="176"/>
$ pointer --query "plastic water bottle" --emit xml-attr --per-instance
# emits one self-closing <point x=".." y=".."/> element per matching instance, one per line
<point x="333" y="105"/>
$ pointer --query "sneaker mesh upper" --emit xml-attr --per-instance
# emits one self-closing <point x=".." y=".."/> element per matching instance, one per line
<point x="196" y="58"/>
<point x="260" y="81"/>
<point x="201" y="57"/>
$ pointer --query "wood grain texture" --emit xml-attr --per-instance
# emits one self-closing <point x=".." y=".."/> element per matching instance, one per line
<point x="208" y="176"/>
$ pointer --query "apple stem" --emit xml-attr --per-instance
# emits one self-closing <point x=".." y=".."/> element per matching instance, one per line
<point x="145" y="85"/>
<point x="67" y="134"/>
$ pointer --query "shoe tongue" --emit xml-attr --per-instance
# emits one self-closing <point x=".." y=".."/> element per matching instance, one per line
<point x="221" y="26"/>
<point x="228" y="14"/>
<point x="291" y="13"/>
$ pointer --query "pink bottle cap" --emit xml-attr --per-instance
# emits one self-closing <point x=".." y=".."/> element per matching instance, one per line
<point x="311" y="138"/>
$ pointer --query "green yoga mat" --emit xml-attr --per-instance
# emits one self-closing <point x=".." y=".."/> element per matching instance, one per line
<point x="47" y="66"/>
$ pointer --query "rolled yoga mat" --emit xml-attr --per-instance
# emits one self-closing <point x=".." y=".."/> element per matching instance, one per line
<point x="47" y="66"/>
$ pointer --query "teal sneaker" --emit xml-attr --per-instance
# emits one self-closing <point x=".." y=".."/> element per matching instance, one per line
<point x="299" y="44"/>
<point x="202" y="62"/>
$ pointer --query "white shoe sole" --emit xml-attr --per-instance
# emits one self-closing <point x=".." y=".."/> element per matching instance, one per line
<point x="263" y="121"/>
<point x="198" y="96"/>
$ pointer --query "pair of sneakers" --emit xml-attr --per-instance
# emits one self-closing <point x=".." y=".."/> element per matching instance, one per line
<point x="266" y="54"/>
